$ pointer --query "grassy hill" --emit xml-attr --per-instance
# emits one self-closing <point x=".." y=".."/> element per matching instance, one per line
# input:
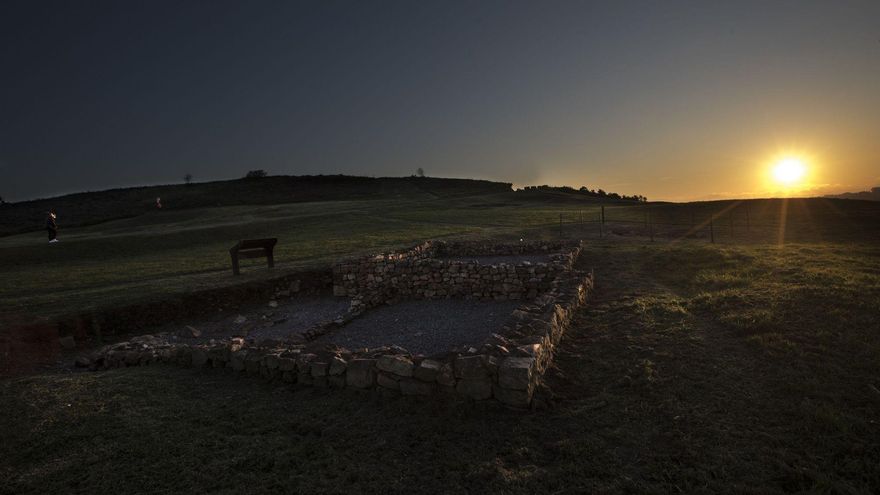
<point x="747" y="365"/>
<point x="158" y="254"/>
<point x="89" y="208"/>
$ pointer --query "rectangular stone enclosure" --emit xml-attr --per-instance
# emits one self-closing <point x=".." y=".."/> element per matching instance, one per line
<point x="507" y="366"/>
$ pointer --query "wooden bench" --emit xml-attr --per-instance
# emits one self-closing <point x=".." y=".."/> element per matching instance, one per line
<point x="252" y="248"/>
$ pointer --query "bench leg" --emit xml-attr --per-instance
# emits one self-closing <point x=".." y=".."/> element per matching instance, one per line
<point x="235" y="268"/>
<point x="271" y="258"/>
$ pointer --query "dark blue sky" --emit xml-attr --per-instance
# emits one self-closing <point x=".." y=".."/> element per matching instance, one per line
<point x="669" y="99"/>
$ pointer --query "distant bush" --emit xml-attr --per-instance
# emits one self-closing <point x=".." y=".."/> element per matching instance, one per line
<point x="256" y="174"/>
<point x="188" y="178"/>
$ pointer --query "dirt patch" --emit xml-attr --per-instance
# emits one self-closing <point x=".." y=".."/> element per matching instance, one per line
<point x="288" y="318"/>
<point x="425" y="327"/>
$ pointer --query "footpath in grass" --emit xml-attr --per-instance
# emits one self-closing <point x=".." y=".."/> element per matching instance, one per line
<point x="696" y="369"/>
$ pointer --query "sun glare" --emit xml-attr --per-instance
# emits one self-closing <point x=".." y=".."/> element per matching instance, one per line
<point x="789" y="170"/>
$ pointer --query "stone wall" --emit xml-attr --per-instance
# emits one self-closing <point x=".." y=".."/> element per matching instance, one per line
<point x="506" y="367"/>
<point x="421" y="273"/>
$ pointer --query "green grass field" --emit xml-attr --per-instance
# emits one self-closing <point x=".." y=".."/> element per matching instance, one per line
<point x="696" y="369"/>
<point x="158" y="254"/>
<point x="748" y="365"/>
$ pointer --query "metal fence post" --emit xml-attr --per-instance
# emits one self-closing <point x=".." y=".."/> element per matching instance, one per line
<point x="748" y="223"/>
<point x="730" y="222"/>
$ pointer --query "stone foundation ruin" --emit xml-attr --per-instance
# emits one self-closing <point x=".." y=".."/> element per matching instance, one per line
<point x="506" y="366"/>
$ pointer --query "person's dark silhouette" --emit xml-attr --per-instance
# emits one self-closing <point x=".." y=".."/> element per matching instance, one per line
<point x="52" y="226"/>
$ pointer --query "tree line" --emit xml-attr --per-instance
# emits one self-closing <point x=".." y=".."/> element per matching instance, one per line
<point x="585" y="191"/>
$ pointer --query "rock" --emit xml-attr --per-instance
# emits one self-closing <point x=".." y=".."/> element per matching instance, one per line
<point x="446" y="376"/>
<point x="516" y="373"/>
<point x="337" y="366"/>
<point x="410" y="386"/>
<point x="237" y="359"/>
<point x="319" y="369"/>
<point x="399" y="365"/>
<point x="387" y="381"/>
<point x="199" y="357"/>
<point x="273" y="304"/>
<point x="252" y="362"/>
<point x="272" y="361"/>
<point x="475" y="388"/>
<point x="470" y="367"/>
<point x="427" y="370"/>
<point x="236" y="344"/>
<point x="286" y="364"/>
<point x="303" y="362"/>
<point x="240" y="320"/>
<point x="68" y="342"/>
<point x="530" y="350"/>
<point x="360" y="373"/>
<point x="82" y="362"/>
<point x="193" y="331"/>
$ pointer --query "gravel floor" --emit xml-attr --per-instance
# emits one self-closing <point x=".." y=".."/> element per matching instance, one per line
<point x="425" y="327"/>
<point x="300" y="314"/>
<point x="494" y="260"/>
<point x="290" y="317"/>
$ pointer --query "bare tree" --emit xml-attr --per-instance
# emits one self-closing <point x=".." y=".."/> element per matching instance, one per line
<point x="420" y="172"/>
<point x="188" y="178"/>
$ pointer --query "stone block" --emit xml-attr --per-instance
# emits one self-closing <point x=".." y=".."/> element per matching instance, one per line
<point x="470" y="367"/>
<point x="319" y="369"/>
<point x="303" y="362"/>
<point x="360" y="373"/>
<point x="398" y="365"/>
<point x="475" y="388"/>
<point x="252" y="363"/>
<point x="237" y="360"/>
<point x="516" y="372"/>
<point x="286" y="364"/>
<point x="411" y="386"/>
<point x="271" y="361"/>
<point x="199" y="357"/>
<point x="427" y="370"/>
<point x="446" y="376"/>
<point x="337" y="366"/>
<point x="387" y="381"/>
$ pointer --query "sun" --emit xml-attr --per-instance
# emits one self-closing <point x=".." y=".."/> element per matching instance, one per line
<point x="789" y="170"/>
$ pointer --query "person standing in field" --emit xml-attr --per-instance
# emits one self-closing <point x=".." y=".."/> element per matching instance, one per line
<point x="52" y="226"/>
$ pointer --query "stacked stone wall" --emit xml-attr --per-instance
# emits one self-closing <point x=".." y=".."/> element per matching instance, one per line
<point x="507" y="367"/>
<point x="422" y="273"/>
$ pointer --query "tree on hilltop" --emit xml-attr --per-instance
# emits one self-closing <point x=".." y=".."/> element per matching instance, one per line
<point x="256" y="174"/>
